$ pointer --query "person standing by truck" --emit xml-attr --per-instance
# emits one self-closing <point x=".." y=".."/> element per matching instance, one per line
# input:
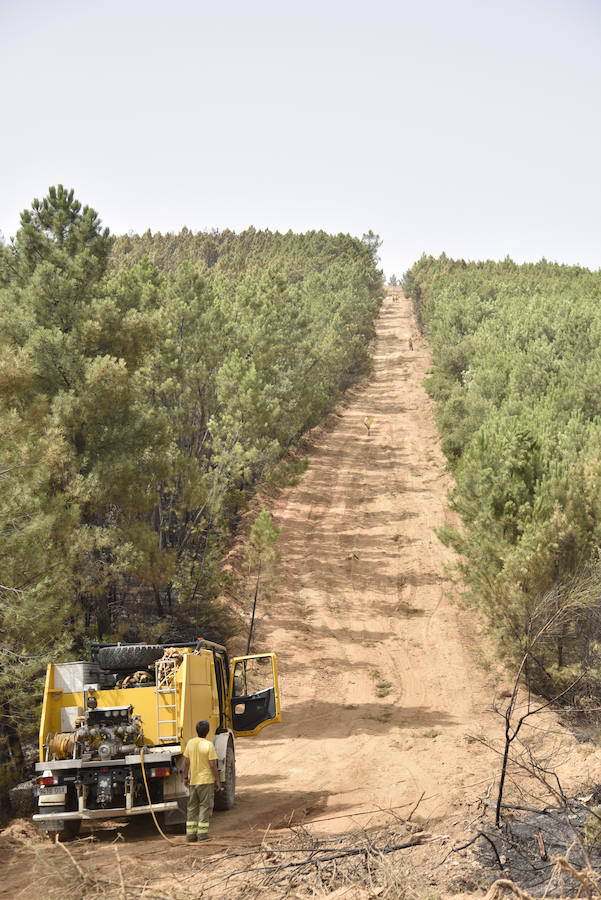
<point x="202" y="777"/>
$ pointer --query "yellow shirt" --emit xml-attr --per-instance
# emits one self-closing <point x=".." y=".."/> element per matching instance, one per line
<point x="199" y="751"/>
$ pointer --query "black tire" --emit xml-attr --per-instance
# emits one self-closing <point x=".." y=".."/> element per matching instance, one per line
<point x="224" y="799"/>
<point x="68" y="833"/>
<point x="129" y="656"/>
<point x="170" y="827"/>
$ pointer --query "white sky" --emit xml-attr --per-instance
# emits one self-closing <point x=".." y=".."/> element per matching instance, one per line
<point x="468" y="126"/>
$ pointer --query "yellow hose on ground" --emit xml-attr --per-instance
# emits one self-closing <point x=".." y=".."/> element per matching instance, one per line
<point x="156" y="821"/>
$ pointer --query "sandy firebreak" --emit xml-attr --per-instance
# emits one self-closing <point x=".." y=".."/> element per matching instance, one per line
<point x="384" y="693"/>
<point x="379" y="684"/>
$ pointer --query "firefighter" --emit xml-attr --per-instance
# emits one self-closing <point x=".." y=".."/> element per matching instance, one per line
<point x="202" y="778"/>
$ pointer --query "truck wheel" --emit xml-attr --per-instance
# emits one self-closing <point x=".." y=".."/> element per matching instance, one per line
<point x="129" y="656"/>
<point x="68" y="833"/>
<point x="224" y="799"/>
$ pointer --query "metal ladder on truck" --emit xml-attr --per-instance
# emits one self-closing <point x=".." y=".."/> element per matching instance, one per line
<point x="166" y="696"/>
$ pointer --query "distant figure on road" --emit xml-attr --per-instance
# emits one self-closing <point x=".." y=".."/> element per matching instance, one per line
<point x="411" y="343"/>
<point x="367" y="423"/>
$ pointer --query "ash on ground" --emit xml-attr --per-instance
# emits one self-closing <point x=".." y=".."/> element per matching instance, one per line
<point x="531" y="841"/>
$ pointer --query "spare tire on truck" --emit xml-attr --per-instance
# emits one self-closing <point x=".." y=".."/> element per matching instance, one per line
<point x="129" y="656"/>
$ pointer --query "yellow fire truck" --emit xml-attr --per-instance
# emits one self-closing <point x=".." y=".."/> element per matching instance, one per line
<point x="113" y="730"/>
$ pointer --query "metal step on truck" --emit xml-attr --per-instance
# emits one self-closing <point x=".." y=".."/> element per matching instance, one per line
<point x="113" y="730"/>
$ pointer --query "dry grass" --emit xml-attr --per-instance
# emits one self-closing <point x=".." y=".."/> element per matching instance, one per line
<point x="356" y="866"/>
<point x="359" y="865"/>
<point x="362" y="865"/>
<point x="31" y="864"/>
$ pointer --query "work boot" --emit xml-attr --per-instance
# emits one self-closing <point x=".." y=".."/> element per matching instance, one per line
<point x="205" y="837"/>
<point x="191" y="839"/>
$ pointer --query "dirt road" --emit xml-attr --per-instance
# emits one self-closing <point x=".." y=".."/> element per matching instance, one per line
<point x="379" y="685"/>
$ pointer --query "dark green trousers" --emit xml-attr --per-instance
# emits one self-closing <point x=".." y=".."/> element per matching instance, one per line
<point x="200" y="808"/>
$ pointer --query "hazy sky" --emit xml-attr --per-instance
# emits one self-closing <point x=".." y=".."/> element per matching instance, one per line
<point x="470" y="126"/>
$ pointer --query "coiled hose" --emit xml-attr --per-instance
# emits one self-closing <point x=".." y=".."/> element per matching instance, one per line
<point x="61" y="744"/>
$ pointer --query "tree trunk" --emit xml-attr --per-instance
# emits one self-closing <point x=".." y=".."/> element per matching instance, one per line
<point x="12" y="761"/>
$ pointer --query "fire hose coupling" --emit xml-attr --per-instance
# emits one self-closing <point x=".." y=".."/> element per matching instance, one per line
<point x="110" y="732"/>
<point x="103" y="733"/>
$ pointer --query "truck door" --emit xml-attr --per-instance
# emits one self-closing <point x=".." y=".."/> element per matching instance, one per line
<point x="254" y="693"/>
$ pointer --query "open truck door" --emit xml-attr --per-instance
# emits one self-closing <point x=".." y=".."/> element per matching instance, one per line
<point x="254" y="694"/>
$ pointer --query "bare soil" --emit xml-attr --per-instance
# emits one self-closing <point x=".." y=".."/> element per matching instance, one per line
<point x="386" y="688"/>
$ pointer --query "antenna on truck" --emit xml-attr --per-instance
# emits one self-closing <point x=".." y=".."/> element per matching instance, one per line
<point x="252" y="619"/>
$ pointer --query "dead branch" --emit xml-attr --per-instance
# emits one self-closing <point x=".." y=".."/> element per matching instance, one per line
<point x="120" y="870"/>
<point x="541" y="845"/>
<point x="505" y="886"/>
<point x="416" y="805"/>
<point x="545" y="811"/>
<point x="80" y="871"/>
<point x="586" y="877"/>
<point x="512" y="731"/>
<point x="313" y="860"/>
<point x="481" y="834"/>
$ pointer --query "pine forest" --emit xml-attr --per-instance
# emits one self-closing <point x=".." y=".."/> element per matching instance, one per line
<point x="517" y="386"/>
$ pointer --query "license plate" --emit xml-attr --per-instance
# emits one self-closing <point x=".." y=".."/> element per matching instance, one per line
<point x="51" y="824"/>
<point x="52" y="789"/>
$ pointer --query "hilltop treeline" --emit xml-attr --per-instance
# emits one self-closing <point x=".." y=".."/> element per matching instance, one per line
<point x="249" y="252"/>
<point x="517" y="385"/>
<point x="139" y="406"/>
